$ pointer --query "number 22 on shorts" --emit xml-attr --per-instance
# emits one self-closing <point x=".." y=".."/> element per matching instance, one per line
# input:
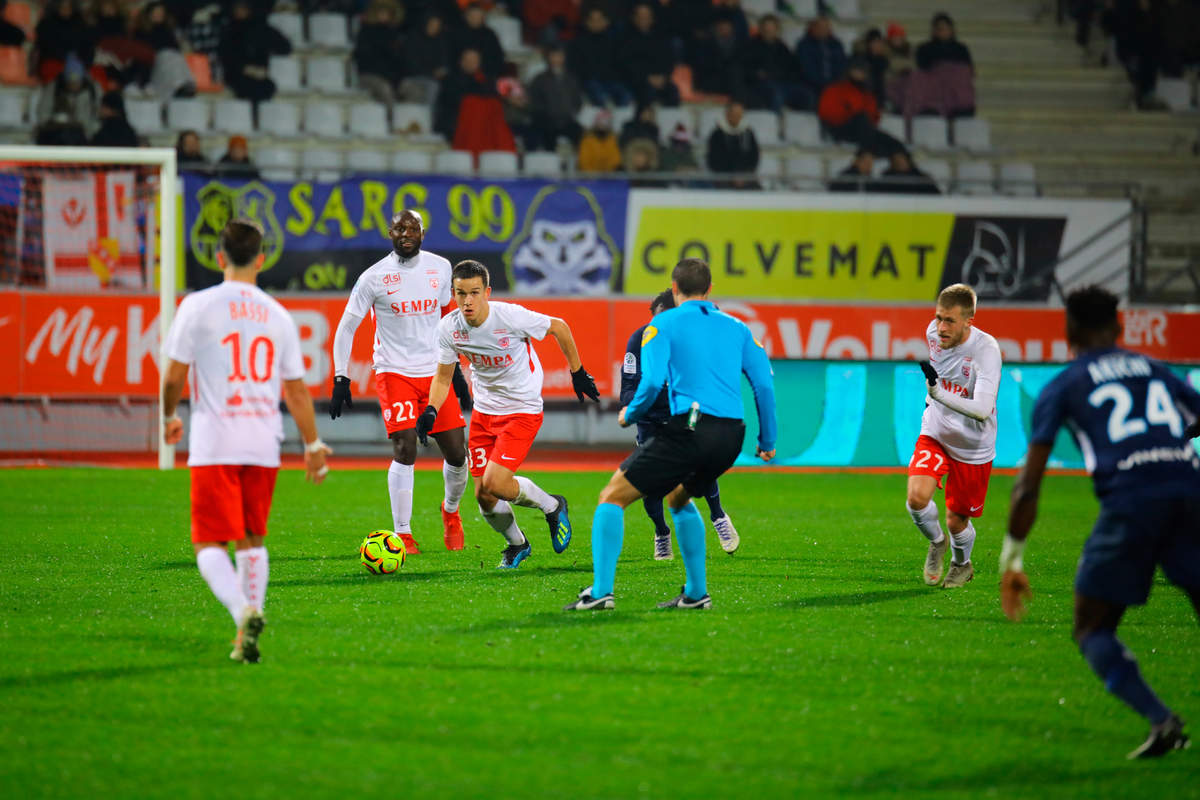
<point x="404" y="410"/>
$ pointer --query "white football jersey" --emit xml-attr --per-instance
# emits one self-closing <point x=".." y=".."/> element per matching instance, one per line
<point x="241" y="345"/>
<point x="506" y="376"/>
<point x="405" y="296"/>
<point x="960" y="369"/>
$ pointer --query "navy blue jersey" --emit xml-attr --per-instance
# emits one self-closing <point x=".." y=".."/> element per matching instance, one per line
<point x="1127" y="413"/>
<point x="631" y="373"/>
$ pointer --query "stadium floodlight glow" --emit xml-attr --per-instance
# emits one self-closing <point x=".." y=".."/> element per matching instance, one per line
<point x="163" y="160"/>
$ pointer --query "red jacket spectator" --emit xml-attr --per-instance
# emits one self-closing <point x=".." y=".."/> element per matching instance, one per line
<point x="842" y="100"/>
<point x="540" y="13"/>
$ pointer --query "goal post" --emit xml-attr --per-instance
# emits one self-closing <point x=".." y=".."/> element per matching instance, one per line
<point x="27" y="165"/>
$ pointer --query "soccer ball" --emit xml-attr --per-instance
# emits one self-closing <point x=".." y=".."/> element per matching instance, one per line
<point x="382" y="552"/>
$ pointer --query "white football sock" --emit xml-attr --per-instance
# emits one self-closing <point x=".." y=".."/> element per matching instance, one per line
<point x="400" y="490"/>
<point x="253" y="569"/>
<point x="501" y="519"/>
<point x="961" y="544"/>
<point x="217" y="571"/>
<point x="530" y="495"/>
<point x="927" y="520"/>
<point x="455" y="481"/>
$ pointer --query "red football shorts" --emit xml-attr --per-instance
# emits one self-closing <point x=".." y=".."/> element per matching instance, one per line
<point x="402" y="399"/>
<point x="504" y="438"/>
<point x="966" y="488"/>
<point x="230" y="501"/>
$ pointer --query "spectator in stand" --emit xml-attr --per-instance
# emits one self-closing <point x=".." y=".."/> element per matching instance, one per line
<point x="731" y="10"/>
<point x="476" y="35"/>
<point x="873" y="49"/>
<point x="648" y="60"/>
<point x="62" y="31"/>
<point x="124" y="59"/>
<point x="555" y="99"/>
<point x="1180" y="36"/>
<point x="598" y="150"/>
<point x="821" y="55"/>
<point x="550" y="21"/>
<point x="202" y="23"/>
<point x="115" y="130"/>
<point x="771" y="71"/>
<point x="851" y="114"/>
<point x="10" y="35"/>
<point x="518" y="114"/>
<point x="858" y="176"/>
<point x="592" y="57"/>
<point x="943" y="46"/>
<point x="236" y="163"/>
<point x="1136" y="27"/>
<point x="903" y="177"/>
<point x="899" y="50"/>
<point x="643" y="125"/>
<point x="427" y="61"/>
<point x="246" y="49"/>
<point x="170" y="75"/>
<point x="188" y="155"/>
<point x="641" y="155"/>
<point x="379" y="51"/>
<point x="468" y="79"/>
<point x="678" y="155"/>
<point x="732" y="146"/>
<point x="71" y="100"/>
<point x="717" y="62"/>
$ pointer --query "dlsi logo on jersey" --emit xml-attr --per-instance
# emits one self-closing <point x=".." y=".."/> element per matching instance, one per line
<point x="219" y="204"/>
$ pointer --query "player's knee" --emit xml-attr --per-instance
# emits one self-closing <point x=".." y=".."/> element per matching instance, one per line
<point x="404" y="451"/>
<point x="493" y="485"/>
<point x="917" y="499"/>
<point x="956" y="523"/>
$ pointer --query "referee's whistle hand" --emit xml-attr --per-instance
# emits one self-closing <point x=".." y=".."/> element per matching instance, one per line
<point x="765" y="455"/>
<point x="621" y="418"/>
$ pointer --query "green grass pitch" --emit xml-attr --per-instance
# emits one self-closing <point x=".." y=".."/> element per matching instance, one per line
<point x="826" y="668"/>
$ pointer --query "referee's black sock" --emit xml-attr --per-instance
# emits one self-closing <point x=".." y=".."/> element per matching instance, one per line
<point x="713" y="496"/>
<point x="654" y="510"/>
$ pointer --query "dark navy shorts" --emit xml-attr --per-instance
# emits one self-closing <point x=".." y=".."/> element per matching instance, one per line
<point x="677" y="455"/>
<point x="1127" y="544"/>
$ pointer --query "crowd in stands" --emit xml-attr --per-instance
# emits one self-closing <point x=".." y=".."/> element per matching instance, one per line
<point x="1148" y="38"/>
<point x="443" y="53"/>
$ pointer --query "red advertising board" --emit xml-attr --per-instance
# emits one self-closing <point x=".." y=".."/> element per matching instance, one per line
<point x="106" y="345"/>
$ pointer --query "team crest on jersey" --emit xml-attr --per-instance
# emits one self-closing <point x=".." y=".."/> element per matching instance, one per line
<point x="433" y="283"/>
<point x="387" y="415"/>
<point x="503" y="342"/>
<point x="219" y="204"/>
<point x="966" y="371"/>
<point x="563" y="247"/>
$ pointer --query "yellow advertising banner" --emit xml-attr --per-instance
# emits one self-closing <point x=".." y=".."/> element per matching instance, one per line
<point x="824" y="254"/>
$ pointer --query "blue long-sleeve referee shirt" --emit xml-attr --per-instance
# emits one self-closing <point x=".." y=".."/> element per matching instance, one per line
<point x="701" y="352"/>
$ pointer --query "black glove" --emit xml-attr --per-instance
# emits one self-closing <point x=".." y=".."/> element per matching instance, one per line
<point x="341" y="396"/>
<point x="1192" y="431"/>
<point x="583" y="384"/>
<point x="462" y="389"/>
<point x="930" y="373"/>
<point x="425" y="423"/>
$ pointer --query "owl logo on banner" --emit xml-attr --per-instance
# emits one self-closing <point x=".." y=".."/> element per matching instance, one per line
<point x="219" y="204"/>
<point x="563" y="247"/>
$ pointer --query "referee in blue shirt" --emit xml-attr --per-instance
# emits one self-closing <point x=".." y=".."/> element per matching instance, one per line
<point x="700" y="353"/>
<point x="648" y="426"/>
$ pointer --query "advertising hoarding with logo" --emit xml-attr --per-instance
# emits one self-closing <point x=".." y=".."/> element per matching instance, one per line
<point x="535" y="237"/>
<point x="876" y="247"/>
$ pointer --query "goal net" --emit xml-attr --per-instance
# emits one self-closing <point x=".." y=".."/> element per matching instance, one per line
<point x="87" y="292"/>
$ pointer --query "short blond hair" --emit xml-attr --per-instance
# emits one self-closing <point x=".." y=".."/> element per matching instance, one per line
<point x="960" y="295"/>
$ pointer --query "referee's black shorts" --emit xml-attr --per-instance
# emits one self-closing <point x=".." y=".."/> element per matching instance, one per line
<point x="676" y="455"/>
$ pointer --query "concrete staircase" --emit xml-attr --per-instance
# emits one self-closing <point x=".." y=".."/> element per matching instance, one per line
<point x="1075" y="124"/>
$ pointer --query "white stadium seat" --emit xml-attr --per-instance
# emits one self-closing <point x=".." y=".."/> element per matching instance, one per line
<point x="498" y="163"/>
<point x="454" y="162"/>
<point x="765" y="125"/>
<point x="328" y="30"/>
<point x="542" y="165"/>
<point x="366" y="160"/>
<point x="285" y="72"/>
<point x="145" y="116"/>
<point x="368" y="120"/>
<point x="412" y="118"/>
<point x="893" y="125"/>
<point x="976" y="178"/>
<point x="508" y="31"/>
<point x="290" y="24"/>
<point x="279" y="117"/>
<point x="1018" y="178"/>
<point x="326" y="74"/>
<point x="708" y="121"/>
<point x="412" y="162"/>
<point x="322" y="164"/>
<point x="939" y="170"/>
<point x="275" y="163"/>
<point x="12" y="109"/>
<point x="802" y="128"/>
<point x="930" y="133"/>
<point x="323" y="118"/>
<point x="233" y="116"/>
<point x="1176" y="93"/>
<point x="973" y="134"/>
<point x="669" y="118"/>
<point x="188" y="114"/>
<point x="769" y="166"/>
